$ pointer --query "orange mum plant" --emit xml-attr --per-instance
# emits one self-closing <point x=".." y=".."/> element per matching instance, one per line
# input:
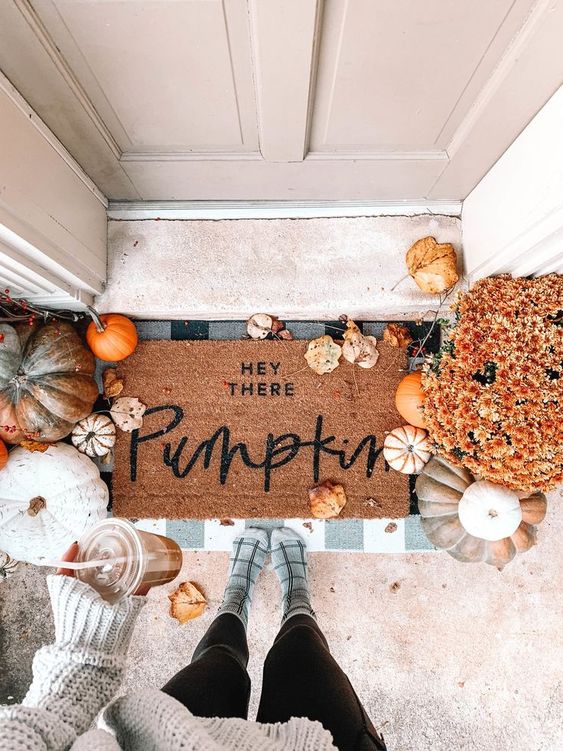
<point x="493" y="393"/>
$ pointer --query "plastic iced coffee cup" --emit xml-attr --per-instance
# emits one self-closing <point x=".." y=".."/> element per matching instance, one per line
<point x="132" y="559"/>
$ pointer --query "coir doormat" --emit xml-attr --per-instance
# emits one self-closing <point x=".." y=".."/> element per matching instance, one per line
<point x="243" y="429"/>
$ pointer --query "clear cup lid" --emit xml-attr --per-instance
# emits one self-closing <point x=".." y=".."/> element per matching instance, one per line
<point x="117" y="542"/>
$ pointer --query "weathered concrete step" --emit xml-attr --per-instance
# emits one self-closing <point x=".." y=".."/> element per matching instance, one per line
<point x="294" y="268"/>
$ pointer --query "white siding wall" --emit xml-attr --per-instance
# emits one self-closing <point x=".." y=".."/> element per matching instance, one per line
<point x="513" y="220"/>
<point x="53" y="228"/>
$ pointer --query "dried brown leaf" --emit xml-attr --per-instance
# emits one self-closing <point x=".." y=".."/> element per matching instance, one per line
<point x="226" y="522"/>
<point x="327" y="500"/>
<point x="113" y="386"/>
<point x="359" y="349"/>
<point x="127" y="413"/>
<point x="432" y="265"/>
<point x="287" y="335"/>
<point x="277" y="325"/>
<point x="323" y="354"/>
<point x="397" y="335"/>
<point x="186" y="602"/>
<point x="34" y="445"/>
<point x="259" y="326"/>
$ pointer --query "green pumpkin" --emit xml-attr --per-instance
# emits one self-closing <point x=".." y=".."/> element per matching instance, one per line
<point x="46" y="381"/>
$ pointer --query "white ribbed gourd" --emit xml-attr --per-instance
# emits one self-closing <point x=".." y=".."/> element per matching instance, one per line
<point x="94" y="435"/>
<point x="407" y="449"/>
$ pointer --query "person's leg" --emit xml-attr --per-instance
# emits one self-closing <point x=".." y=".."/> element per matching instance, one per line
<point x="216" y="683"/>
<point x="301" y="678"/>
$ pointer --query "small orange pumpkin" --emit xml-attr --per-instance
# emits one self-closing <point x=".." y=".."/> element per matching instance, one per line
<point x="409" y="399"/>
<point x="111" y="337"/>
<point x="3" y="454"/>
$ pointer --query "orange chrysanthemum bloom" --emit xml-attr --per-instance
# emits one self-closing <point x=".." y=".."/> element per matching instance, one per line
<point x="493" y="394"/>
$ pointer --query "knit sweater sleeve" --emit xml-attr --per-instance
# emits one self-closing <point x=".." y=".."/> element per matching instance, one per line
<point x="77" y="675"/>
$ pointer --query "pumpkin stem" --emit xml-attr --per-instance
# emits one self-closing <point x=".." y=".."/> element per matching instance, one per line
<point x="36" y="505"/>
<point x="100" y="327"/>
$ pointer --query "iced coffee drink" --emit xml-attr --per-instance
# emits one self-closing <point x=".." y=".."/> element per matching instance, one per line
<point x="128" y="559"/>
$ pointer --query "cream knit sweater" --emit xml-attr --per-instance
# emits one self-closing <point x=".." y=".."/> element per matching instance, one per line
<point x="74" y="678"/>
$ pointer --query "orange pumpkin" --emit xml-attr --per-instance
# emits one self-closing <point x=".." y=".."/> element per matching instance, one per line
<point x="3" y="454"/>
<point x="409" y="399"/>
<point x="111" y="337"/>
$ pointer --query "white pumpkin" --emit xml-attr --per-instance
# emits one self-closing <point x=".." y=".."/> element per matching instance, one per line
<point x="94" y="435"/>
<point x="407" y="449"/>
<point x="489" y="511"/>
<point x="48" y="500"/>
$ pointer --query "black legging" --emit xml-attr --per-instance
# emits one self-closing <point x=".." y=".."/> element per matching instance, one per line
<point x="301" y="679"/>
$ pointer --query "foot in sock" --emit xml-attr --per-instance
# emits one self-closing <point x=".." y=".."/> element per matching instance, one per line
<point x="289" y="559"/>
<point x="247" y="560"/>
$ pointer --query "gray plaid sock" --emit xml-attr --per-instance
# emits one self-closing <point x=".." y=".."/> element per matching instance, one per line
<point x="247" y="560"/>
<point x="290" y="564"/>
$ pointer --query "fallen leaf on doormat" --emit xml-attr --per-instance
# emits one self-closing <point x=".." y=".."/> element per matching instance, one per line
<point x="432" y="265"/>
<point x="391" y="527"/>
<point x="359" y="349"/>
<point x="327" y="500"/>
<point x="34" y="445"/>
<point x="287" y="335"/>
<point x="226" y="522"/>
<point x="127" y="413"/>
<point x="277" y="325"/>
<point x="397" y="335"/>
<point x="259" y="326"/>
<point x="372" y="503"/>
<point x="264" y="326"/>
<point x="323" y="354"/>
<point x="113" y="386"/>
<point x="309" y="526"/>
<point x="186" y="602"/>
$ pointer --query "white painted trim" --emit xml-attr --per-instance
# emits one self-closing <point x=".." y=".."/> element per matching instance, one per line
<point x="536" y="250"/>
<point x="505" y="65"/>
<point x="146" y="155"/>
<point x="16" y="98"/>
<point x="512" y="222"/>
<point x="283" y="37"/>
<point x="332" y="156"/>
<point x="139" y="210"/>
<point x="20" y="250"/>
<point x="38" y="28"/>
<point x="23" y="266"/>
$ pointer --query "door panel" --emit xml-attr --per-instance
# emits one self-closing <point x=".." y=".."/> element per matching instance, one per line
<point x="305" y="99"/>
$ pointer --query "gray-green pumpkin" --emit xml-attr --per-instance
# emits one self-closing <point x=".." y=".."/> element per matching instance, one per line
<point x="46" y="381"/>
<point x="442" y="486"/>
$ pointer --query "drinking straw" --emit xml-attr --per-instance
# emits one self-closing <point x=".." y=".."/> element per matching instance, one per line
<point x="79" y="565"/>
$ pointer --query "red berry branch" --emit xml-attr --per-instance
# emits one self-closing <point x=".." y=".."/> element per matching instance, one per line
<point x="14" y="309"/>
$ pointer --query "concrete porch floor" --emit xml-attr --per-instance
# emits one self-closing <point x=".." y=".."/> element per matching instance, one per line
<point x="444" y="655"/>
